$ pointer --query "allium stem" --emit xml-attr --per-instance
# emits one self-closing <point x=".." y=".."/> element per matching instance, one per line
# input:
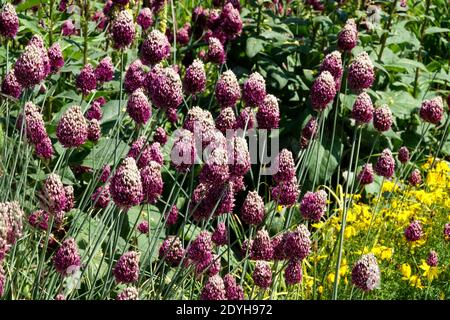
<point x="387" y="29"/>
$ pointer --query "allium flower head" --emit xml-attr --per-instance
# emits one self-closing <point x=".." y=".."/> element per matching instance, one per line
<point x="196" y="116"/>
<point x="164" y="87"/>
<point x="195" y="79"/>
<point x="216" y="52"/>
<point x="143" y="227"/>
<point x="152" y="182"/>
<point x="254" y="91"/>
<point x="215" y="169"/>
<point x="104" y="71"/>
<point x="172" y="216"/>
<point x="100" y="198"/>
<point x="261" y="248"/>
<point x="286" y="192"/>
<point x="262" y="275"/>
<point x="86" y="80"/>
<point x="310" y="129"/>
<point x="54" y="194"/>
<point x="10" y="85"/>
<point x="184" y="34"/>
<point x="106" y="171"/>
<point x="29" y="69"/>
<point x="160" y="136"/>
<point x="385" y="165"/>
<point x="11" y="225"/>
<point x="94" y="112"/>
<point x="68" y="28"/>
<point x="34" y="123"/>
<point x="246" y="119"/>
<point x="233" y="291"/>
<point x="231" y="22"/>
<point x="129" y="293"/>
<point x="172" y="251"/>
<point x="227" y="91"/>
<point x="210" y="267"/>
<point x="285" y="166"/>
<point x="44" y="148"/>
<point x="220" y="235"/>
<point x="432" y="259"/>
<point x="361" y="73"/>
<point x="323" y="91"/>
<point x="157" y="5"/>
<point x="293" y="272"/>
<point x="314" y="205"/>
<point x="403" y="154"/>
<point x="9" y="22"/>
<point x="122" y="29"/>
<point x="382" y="118"/>
<point x="138" y="107"/>
<point x="253" y="211"/>
<point x="145" y="18"/>
<point x="366" y="273"/>
<point x="67" y="259"/>
<point x="333" y="64"/>
<point x="297" y="244"/>
<point x="432" y="110"/>
<point x="94" y="130"/>
<point x="214" y="289"/>
<point x="140" y="151"/>
<point x="72" y="129"/>
<point x="363" y="109"/>
<point x="278" y="246"/>
<point x="200" y="249"/>
<point x="156" y="47"/>
<point x="365" y="176"/>
<point x="415" y="178"/>
<point x="414" y="231"/>
<point x="268" y="115"/>
<point x="209" y="199"/>
<point x="39" y="219"/>
<point x="240" y="163"/>
<point x="183" y="152"/>
<point x="70" y="197"/>
<point x="348" y="37"/>
<point x="126" y="269"/>
<point x="134" y="77"/>
<point x="126" y="186"/>
<point x="56" y="57"/>
<point x="447" y="231"/>
<point x="226" y="120"/>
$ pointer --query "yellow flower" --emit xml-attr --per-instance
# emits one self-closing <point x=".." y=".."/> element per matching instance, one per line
<point x="405" y="270"/>
<point x="350" y="231"/>
<point x="320" y="289"/>
<point x="279" y="208"/>
<point x="415" y="282"/>
<point x="430" y="273"/>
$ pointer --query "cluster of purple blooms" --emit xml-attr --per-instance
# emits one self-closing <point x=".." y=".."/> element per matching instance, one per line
<point x="287" y="190"/>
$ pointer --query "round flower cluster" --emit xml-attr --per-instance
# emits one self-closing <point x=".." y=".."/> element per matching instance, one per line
<point x="415" y="178"/>
<point x="286" y="192"/>
<point x="382" y="118"/>
<point x="129" y="293"/>
<point x="313" y="205"/>
<point x="254" y="91"/>
<point x="284" y="163"/>
<point x="143" y="227"/>
<point x="361" y="73"/>
<point x="104" y="71"/>
<point x="403" y="154"/>
<point x="297" y="244"/>
<point x="67" y="259"/>
<point x="240" y="163"/>
<point x="348" y="37"/>
<point x="268" y="115"/>
<point x="200" y="250"/>
<point x="29" y="69"/>
<point x="323" y="91"/>
<point x="432" y="259"/>
<point x="134" y="76"/>
<point x="138" y="107"/>
<point x="183" y="151"/>
<point x="308" y="132"/>
<point x="365" y="176"/>
<point x="100" y="198"/>
<point x="56" y="57"/>
<point x="227" y="90"/>
<point x="39" y="219"/>
<point x="164" y="87"/>
<point x="220" y="235"/>
<point x="214" y="289"/>
<point x="226" y="120"/>
<point x="215" y="169"/>
<point x="366" y="273"/>
<point x="152" y="183"/>
<point x="10" y="85"/>
<point x="172" y="216"/>
<point x="261" y="246"/>
<point x="172" y="251"/>
<point x="126" y="185"/>
<point x="156" y="47"/>
<point x="145" y="18"/>
<point x="11" y="216"/>
<point x="195" y="79"/>
<point x="414" y="231"/>
<point x="385" y="165"/>
<point x="253" y="211"/>
<point x="363" y="109"/>
<point x="160" y="136"/>
<point x="86" y="80"/>
<point x="447" y="231"/>
<point x="432" y="110"/>
<point x="9" y="22"/>
<point x="126" y="269"/>
<point x="333" y="64"/>
<point x="233" y="291"/>
<point x="68" y="28"/>
<point x="94" y="130"/>
<point x="72" y="129"/>
<point x="54" y="194"/>
<point x="262" y="275"/>
<point x="216" y="53"/>
<point x="210" y="199"/>
<point x="293" y="272"/>
<point x="122" y="29"/>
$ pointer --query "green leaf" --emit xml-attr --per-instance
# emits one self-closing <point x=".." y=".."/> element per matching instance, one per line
<point x="254" y="46"/>
<point x="105" y="151"/>
<point x="432" y="30"/>
<point x="27" y="5"/>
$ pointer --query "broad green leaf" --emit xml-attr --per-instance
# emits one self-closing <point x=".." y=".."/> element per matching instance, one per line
<point x="254" y="46"/>
<point x="432" y="30"/>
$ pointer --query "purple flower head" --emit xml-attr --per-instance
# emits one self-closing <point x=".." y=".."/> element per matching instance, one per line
<point x="361" y="73"/>
<point x="385" y="165"/>
<point x="86" y="81"/>
<point x="209" y="199"/>
<point x="172" y="251"/>
<point x="227" y="90"/>
<point x="254" y="91"/>
<point x="216" y="53"/>
<point x="199" y="19"/>
<point x="9" y="22"/>
<point x="226" y="120"/>
<point x="134" y="77"/>
<point x="72" y="129"/>
<point x="240" y="163"/>
<point x="195" y="79"/>
<point x="323" y="91"/>
<point x="200" y="249"/>
<point x="54" y="194"/>
<point x="129" y="293"/>
<point x="432" y="259"/>
<point x="286" y="192"/>
<point x="414" y="231"/>
<point x="246" y="119"/>
<point x="233" y="291"/>
<point x="172" y="216"/>
<point x="403" y="154"/>
<point x="432" y="110"/>
<point x="348" y="37"/>
<point x="126" y="269"/>
<point x="29" y="69"/>
<point x="382" y="118"/>
<point x="56" y="57"/>
<point x="298" y="244"/>
<point x="11" y="225"/>
<point x="215" y="169"/>
<point x="262" y="275"/>
<point x="252" y="210"/>
<point x="106" y="171"/>
<point x="105" y="70"/>
<point x="108" y="6"/>
<point x="67" y="259"/>
<point x="145" y="18"/>
<point x="70" y="197"/>
<point x="366" y="273"/>
<point x="268" y="115"/>
<point x="44" y="148"/>
<point x="157" y="5"/>
<point x="261" y="248"/>
<point x="68" y="28"/>
<point x="278" y="243"/>
<point x="183" y="152"/>
<point x="333" y="64"/>
<point x="143" y="227"/>
<point x="160" y="136"/>
<point x="140" y="151"/>
<point x="314" y="205"/>
<point x="184" y="34"/>
<point x="447" y="231"/>
<point x="365" y="176"/>
<point x="198" y="119"/>
<point x="122" y="29"/>
<point x="220" y="235"/>
<point x="415" y="178"/>
<point x="285" y="166"/>
<point x="310" y="129"/>
<point x="94" y="112"/>
<point x="152" y="182"/>
<point x="94" y="130"/>
<point x="34" y="124"/>
<point x="363" y="109"/>
<point x="101" y="197"/>
<point x="156" y="47"/>
<point x="231" y="22"/>
<point x="164" y="87"/>
<point x="10" y="85"/>
<point x="211" y="267"/>
<point x="214" y="289"/>
<point x="100" y="19"/>
<point x="293" y="272"/>
<point x="39" y="219"/>
<point x="138" y="107"/>
<point x="126" y="185"/>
